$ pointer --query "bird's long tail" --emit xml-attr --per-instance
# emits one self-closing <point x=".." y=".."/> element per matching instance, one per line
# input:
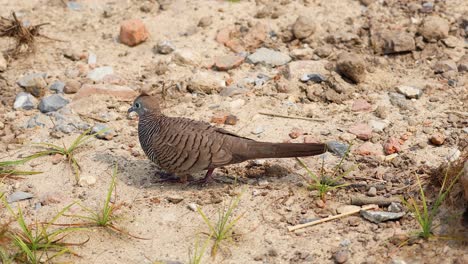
<point x="261" y="150"/>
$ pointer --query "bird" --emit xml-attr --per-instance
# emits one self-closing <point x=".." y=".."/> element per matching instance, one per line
<point x="182" y="146"/>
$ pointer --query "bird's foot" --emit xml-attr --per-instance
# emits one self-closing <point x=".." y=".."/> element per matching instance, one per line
<point x="206" y="180"/>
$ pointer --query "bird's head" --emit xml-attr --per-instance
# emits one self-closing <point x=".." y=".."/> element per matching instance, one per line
<point x="145" y="103"/>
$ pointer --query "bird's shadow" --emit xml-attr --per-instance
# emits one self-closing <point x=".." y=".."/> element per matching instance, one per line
<point x="142" y="173"/>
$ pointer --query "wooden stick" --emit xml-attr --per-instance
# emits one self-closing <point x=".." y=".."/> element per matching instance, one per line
<point x="293" y="117"/>
<point x="380" y="201"/>
<point x="364" y="208"/>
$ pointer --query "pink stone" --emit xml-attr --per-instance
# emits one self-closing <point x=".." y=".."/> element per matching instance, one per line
<point x="122" y="92"/>
<point x="369" y="149"/>
<point x="392" y="146"/>
<point x="361" y="105"/>
<point x="361" y="130"/>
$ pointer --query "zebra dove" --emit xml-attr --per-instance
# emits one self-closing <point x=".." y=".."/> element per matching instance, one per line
<point x="182" y="146"/>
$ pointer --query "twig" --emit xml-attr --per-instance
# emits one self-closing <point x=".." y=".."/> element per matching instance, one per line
<point x="93" y="118"/>
<point x="364" y="208"/>
<point x="381" y="201"/>
<point x="465" y="114"/>
<point x="293" y="117"/>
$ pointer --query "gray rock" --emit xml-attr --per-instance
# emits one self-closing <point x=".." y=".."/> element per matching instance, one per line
<point x="409" y="91"/>
<point x="99" y="73"/>
<point x="24" y="101"/>
<point x="52" y="103"/>
<point x="57" y="86"/>
<point x="337" y="148"/>
<point x="165" y="47"/>
<point x="104" y="132"/>
<point x="400" y="101"/>
<point x="372" y="191"/>
<point x="379" y="216"/>
<point x="314" y="77"/>
<point x="261" y="79"/>
<point x="269" y="57"/>
<point x="395" y="207"/>
<point x="35" y="122"/>
<point x="19" y="196"/>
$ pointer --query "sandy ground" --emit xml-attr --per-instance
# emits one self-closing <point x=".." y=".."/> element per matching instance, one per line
<point x="276" y="197"/>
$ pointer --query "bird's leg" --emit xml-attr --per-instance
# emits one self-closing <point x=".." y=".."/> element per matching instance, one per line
<point x="170" y="177"/>
<point x="207" y="179"/>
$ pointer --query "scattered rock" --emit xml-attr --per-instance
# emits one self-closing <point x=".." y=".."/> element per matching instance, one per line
<point x="409" y="91"/>
<point x="165" y="47"/>
<point x="231" y="120"/>
<point x="57" y="158"/>
<point x="175" y="199"/>
<point x="296" y="132"/>
<point x="361" y="130"/>
<point x="390" y="42"/>
<point x="71" y="87"/>
<point x="303" y="27"/>
<point x="52" y="103"/>
<point x="24" y="101"/>
<point x="34" y="83"/>
<point x="372" y="192"/>
<point x="219" y="118"/>
<point x="258" y="130"/>
<point x="347" y="208"/>
<point x="400" y="101"/>
<point x="437" y="139"/>
<point x="314" y="77"/>
<point x="361" y="105"/>
<point x="206" y="82"/>
<point x="391" y="146"/>
<point x="434" y="28"/>
<point x="205" y="21"/>
<point x="133" y="32"/>
<point x="337" y="148"/>
<point x="453" y="155"/>
<point x="395" y="207"/>
<point x="3" y="63"/>
<point x="302" y="54"/>
<point x="297" y="69"/>
<point x="379" y="216"/>
<point x="99" y="73"/>
<point x="445" y="66"/>
<point x="102" y="131"/>
<point x="186" y="57"/>
<point x="463" y="64"/>
<point x="227" y="62"/>
<point x="87" y="181"/>
<point x="19" y="196"/>
<point x="341" y="256"/>
<point x="192" y="206"/>
<point x="381" y="112"/>
<point x="351" y="66"/>
<point x="122" y="92"/>
<point x="233" y="90"/>
<point x="369" y="149"/>
<point x="269" y="57"/>
<point x="57" y="86"/>
<point x="378" y="125"/>
<point x="236" y="39"/>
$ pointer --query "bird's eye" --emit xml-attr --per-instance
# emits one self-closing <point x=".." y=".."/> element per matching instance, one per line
<point x="137" y="105"/>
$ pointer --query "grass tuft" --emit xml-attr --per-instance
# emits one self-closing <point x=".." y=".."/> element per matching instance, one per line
<point x="196" y="255"/>
<point x="7" y="169"/>
<point x="223" y="228"/>
<point x="324" y="182"/>
<point x="67" y="152"/>
<point x="424" y="213"/>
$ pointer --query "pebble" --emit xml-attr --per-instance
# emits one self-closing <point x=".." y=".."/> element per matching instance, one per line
<point x="165" y="47"/>
<point x="19" y="196"/>
<point x="233" y="90"/>
<point x="175" y="199"/>
<point x="341" y="256"/>
<point x="453" y="155"/>
<point x="34" y="83"/>
<point x="409" y="91"/>
<point x="337" y="148"/>
<point x="105" y="132"/>
<point x="395" y="207"/>
<point x="133" y="32"/>
<point x="24" y="101"/>
<point x="380" y="216"/>
<point x="434" y="28"/>
<point x="372" y="192"/>
<point x="52" y="103"/>
<point x="296" y="132"/>
<point x="71" y="87"/>
<point x="3" y="63"/>
<point x="227" y="62"/>
<point x="391" y="42"/>
<point x="361" y="105"/>
<point x="400" y="101"/>
<point x="122" y="92"/>
<point x="347" y="208"/>
<point x="369" y="149"/>
<point x="192" y="206"/>
<point x="314" y="77"/>
<point x="381" y="112"/>
<point x="351" y="66"/>
<point x="205" y="21"/>
<point x="219" y="118"/>
<point x="258" y="130"/>
<point x="186" y="57"/>
<point x="231" y="120"/>
<point x="354" y="221"/>
<point x="35" y="122"/>
<point x="269" y="57"/>
<point x="437" y="139"/>
<point x="99" y="73"/>
<point x="92" y="59"/>
<point x="361" y="130"/>
<point x="303" y="27"/>
<point x="463" y="64"/>
<point x="298" y="69"/>
<point x="87" y="181"/>
<point x="378" y="125"/>
<point x="206" y="82"/>
<point x="302" y="54"/>
<point x="391" y="146"/>
<point x="57" y="86"/>
<point x="445" y="66"/>
<point x="57" y="158"/>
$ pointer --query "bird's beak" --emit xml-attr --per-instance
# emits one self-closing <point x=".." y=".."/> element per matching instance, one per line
<point x="131" y="109"/>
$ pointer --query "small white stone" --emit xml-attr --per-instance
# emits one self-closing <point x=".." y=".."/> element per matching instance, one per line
<point x="87" y="181"/>
<point x="192" y="206"/>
